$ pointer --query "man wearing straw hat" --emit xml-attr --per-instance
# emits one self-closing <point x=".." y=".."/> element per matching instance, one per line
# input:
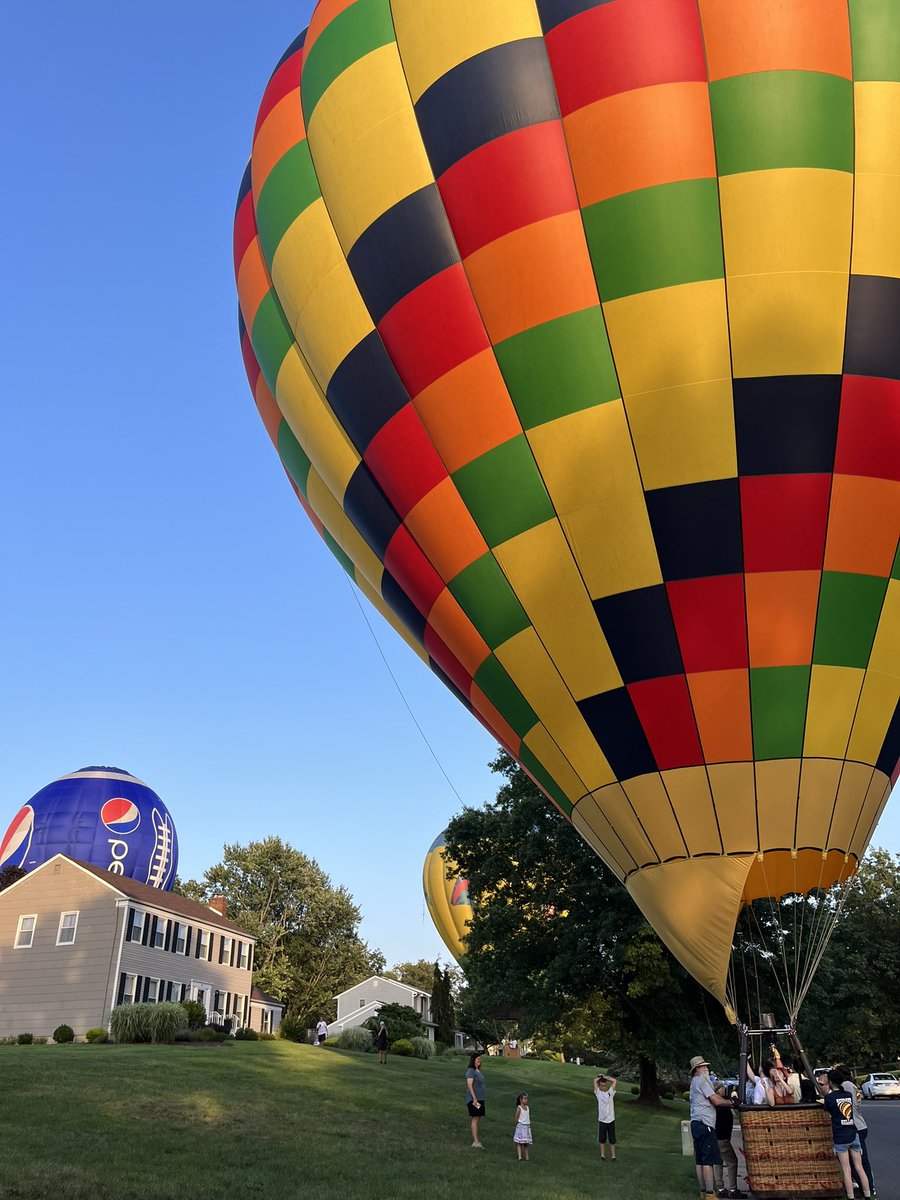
<point x="703" y="1125"/>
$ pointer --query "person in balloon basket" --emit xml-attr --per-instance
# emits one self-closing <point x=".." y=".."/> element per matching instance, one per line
<point x="704" y="1103"/>
<point x="605" y="1091"/>
<point x="844" y="1134"/>
<point x="725" y="1173"/>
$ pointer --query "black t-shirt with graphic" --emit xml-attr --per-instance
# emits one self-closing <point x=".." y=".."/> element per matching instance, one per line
<point x="839" y="1107"/>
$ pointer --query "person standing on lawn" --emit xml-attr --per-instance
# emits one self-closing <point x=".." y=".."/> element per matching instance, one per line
<point x="704" y="1103"/>
<point x="381" y="1042"/>
<point x="844" y="1135"/>
<point x="605" y="1090"/>
<point x="522" y="1136"/>
<point x="862" y="1129"/>
<point x="321" y="1031"/>
<point x="725" y="1173"/>
<point x="476" y="1093"/>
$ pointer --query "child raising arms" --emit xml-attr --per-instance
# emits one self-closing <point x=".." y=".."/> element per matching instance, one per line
<point x="522" y="1136"/>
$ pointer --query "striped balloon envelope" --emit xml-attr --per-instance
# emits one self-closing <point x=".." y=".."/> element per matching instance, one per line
<point x="574" y="323"/>
<point x="447" y="897"/>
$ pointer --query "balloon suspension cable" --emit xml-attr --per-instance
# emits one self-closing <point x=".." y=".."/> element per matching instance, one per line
<point x="400" y="691"/>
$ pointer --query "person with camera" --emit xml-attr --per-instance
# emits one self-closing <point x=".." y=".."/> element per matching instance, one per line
<point x="605" y="1090"/>
<point x="704" y="1102"/>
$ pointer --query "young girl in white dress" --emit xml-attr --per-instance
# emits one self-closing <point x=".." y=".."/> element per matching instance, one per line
<point x="522" y="1136"/>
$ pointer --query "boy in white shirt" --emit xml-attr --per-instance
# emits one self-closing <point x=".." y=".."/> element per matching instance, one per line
<point x="605" y="1090"/>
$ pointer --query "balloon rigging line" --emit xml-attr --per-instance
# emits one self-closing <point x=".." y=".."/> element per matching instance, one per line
<point x="400" y="691"/>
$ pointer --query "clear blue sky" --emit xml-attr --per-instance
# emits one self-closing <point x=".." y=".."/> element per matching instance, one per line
<point x="167" y="607"/>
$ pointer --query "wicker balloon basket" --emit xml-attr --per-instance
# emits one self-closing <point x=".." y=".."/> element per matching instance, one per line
<point x="789" y="1152"/>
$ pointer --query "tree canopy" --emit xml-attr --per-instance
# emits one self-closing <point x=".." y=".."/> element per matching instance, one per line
<point x="418" y="974"/>
<point x="309" y="948"/>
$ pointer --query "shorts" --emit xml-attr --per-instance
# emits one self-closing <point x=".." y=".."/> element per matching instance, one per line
<point x="473" y="1111"/>
<point x="846" y="1147"/>
<point x="606" y="1132"/>
<point x="321" y="1038"/>
<point x="706" y="1145"/>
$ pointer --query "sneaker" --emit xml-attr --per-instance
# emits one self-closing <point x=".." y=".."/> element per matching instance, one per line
<point x="736" y="1194"/>
<point x="722" y="1193"/>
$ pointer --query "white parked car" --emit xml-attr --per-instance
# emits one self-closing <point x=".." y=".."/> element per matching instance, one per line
<point x="878" y="1085"/>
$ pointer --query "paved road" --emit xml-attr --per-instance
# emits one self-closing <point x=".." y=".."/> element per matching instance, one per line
<point x="883" y="1119"/>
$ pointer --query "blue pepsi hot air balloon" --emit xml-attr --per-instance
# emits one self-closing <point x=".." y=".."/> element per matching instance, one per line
<point x="102" y="816"/>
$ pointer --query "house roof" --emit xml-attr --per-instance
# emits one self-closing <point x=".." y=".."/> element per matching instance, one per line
<point x="258" y="996"/>
<point x="179" y="906"/>
<point x="383" y="979"/>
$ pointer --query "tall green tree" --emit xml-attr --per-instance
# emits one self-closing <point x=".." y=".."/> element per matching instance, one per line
<point x="308" y="947"/>
<point x="557" y="943"/>
<point x="10" y="875"/>
<point x="418" y="974"/>
<point x="442" y="1004"/>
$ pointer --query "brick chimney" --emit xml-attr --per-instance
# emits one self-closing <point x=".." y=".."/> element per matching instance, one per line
<point x="220" y="905"/>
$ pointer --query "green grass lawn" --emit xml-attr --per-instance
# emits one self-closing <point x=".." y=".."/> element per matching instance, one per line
<point x="278" y="1120"/>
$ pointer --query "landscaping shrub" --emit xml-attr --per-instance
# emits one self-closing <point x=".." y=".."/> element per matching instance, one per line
<point x="551" y="1055"/>
<point x="40" y="1041"/>
<point x="63" y="1033"/>
<point x="329" y="1041"/>
<point x="196" y="1013"/>
<point x="165" y="1020"/>
<point x="246" y="1035"/>
<point x="401" y="1021"/>
<point x="403" y="1047"/>
<point x="292" y="1030"/>
<point x="355" y="1038"/>
<point x="267" y="1037"/>
<point x="457" y="1052"/>
<point x="96" y="1035"/>
<point x="439" y="1047"/>
<point x="7" y="1041"/>
<point x="635" y="1091"/>
<point x="422" y="1047"/>
<point x="209" y="1033"/>
<point x="668" y="1094"/>
<point x="686" y="1095"/>
<point x="130" y="1022"/>
<point x="25" y="1039"/>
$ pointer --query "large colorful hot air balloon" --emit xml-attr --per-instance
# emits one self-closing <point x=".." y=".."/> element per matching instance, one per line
<point x="574" y="323"/>
<point x="447" y="897"/>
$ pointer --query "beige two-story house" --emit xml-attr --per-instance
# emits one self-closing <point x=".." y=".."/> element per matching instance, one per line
<point x="76" y="940"/>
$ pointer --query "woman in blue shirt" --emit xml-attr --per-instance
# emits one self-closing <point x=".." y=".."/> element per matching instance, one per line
<point x="475" y="1097"/>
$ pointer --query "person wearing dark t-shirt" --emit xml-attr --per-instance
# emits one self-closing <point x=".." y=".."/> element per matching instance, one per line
<point x="845" y="1139"/>
<point x="725" y="1173"/>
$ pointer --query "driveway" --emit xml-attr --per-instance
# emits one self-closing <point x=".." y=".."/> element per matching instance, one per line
<point x="883" y="1119"/>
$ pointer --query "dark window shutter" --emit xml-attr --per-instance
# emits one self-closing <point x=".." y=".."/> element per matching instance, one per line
<point x="187" y="945"/>
<point x="145" y="934"/>
<point x="154" y="925"/>
<point x="183" y="991"/>
<point x="209" y="953"/>
<point x="168" y="935"/>
<point x="138" y="984"/>
<point x="199" y="944"/>
<point x="121" y="992"/>
<point x="130" y="925"/>
<point x="233" y="948"/>
<point x="146" y="988"/>
<point x="221" y="947"/>
<point x="174" y="946"/>
<point x="216" y="996"/>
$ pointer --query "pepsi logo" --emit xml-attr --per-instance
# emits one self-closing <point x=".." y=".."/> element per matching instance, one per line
<point x="17" y="839"/>
<point x="120" y="815"/>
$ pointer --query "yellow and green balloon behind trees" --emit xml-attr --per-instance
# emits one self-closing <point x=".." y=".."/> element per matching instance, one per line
<point x="574" y="323"/>
<point x="447" y="897"/>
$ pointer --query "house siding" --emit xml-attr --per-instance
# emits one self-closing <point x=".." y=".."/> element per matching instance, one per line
<point x="45" y="985"/>
<point x="378" y="990"/>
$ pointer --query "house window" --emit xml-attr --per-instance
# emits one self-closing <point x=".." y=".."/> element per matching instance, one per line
<point x="137" y="925"/>
<point x="159" y="934"/>
<point x="152" y="994"/>
<point x="265" y="1021"/>
<point x="68" y="923"/>
<point x="180" y="938"/>
<point x="128" y="989"/>
<point x="362" y="1003"/>
<point x="203" y="943"/>
<point x="243" y="955"/>
<point x="225" y="951"/>
<point x="25" y="931"/>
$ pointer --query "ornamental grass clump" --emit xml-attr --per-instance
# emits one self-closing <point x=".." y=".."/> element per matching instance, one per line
<point x="165" y="1020"/>
<point x="131" y="1022"/>
<point x="355" y="1038"/>
<point x="423" y="1047"/>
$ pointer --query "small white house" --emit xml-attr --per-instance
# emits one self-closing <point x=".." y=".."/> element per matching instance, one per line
<point x="364" y="1000"/>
